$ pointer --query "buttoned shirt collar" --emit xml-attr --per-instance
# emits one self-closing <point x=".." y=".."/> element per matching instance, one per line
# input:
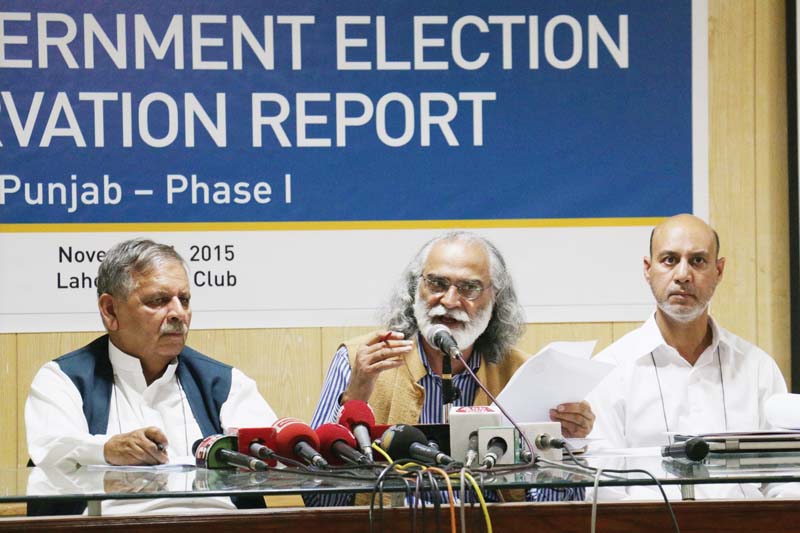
<point x="129" y="369"/>
<point x="652" y="341"/>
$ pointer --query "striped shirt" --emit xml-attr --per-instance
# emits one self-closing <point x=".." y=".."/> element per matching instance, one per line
<point x="328" y="410"/>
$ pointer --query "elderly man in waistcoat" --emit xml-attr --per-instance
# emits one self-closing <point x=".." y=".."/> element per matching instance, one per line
<point x="138" y="395"/>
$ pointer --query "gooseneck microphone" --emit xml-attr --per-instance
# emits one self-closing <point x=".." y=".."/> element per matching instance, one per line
<point x="338" y="445"/>
<point x="694" y="449"/>
<point x="442" y="338"/>
<point x="495" y="450"/>
<point x="297" y="440"/>
<point x="403" y="440"/>
<point x="357" y="416"/>
<point x="219" y="451"/>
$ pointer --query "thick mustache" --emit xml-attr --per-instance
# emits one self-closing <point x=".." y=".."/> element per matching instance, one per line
<point x="439" y="311"/>
<point x="169" y="328"/>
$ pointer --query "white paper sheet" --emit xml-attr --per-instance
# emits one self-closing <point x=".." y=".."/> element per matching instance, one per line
<point x="175" y="464"/>
<point x="561" y="372"/>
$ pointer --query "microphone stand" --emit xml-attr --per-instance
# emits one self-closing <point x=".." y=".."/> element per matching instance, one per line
<point x="448" y="393"/>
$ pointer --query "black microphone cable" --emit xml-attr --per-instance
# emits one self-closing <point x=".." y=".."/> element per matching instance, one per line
<point x="288" y="461"/>
<point x="377" y="489"/>
<point x="437" y="499"/>
<point x="415" y="504"/>
<point x="583" y="466"/>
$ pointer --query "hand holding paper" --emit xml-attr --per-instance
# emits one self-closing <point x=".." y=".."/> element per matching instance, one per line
<point x="560" y="374"/>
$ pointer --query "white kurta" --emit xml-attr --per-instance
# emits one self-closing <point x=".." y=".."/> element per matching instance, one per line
<point x="640" y="403"/>
<point x="58" y="433"/>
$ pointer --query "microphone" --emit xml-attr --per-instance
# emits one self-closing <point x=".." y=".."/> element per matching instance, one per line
<point x="338" y="445"/>
<point x="357" y="416"/>
<point x="694" y="449"/>
<point x="403" y="440"/>
<point x="544" y="441"/>
<point x="440" y="336"/>
<point x="525" y="456"/>
<point x="496" y="449"/>
<point x="256" y="441"/>
<point x="219" y="451"/>
<point x="295" y="439"/>
<point x="472" y="449"/>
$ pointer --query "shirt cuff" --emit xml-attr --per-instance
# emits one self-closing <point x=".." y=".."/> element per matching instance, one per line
<point x="91" y="451"/>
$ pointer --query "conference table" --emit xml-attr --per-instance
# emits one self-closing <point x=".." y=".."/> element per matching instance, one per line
<point x="681" y="478"/>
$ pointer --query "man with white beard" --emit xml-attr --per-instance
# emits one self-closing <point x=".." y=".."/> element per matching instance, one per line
<point x="458" y="280"/>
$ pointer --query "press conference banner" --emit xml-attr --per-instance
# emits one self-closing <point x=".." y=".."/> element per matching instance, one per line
<point x="298" y="154"/>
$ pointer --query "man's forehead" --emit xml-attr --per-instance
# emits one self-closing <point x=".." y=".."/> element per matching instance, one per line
<point x="683" y="237"/>
<point x="458" y="255"/>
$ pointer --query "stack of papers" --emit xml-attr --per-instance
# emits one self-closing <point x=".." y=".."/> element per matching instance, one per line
<point x="561" y="372"/>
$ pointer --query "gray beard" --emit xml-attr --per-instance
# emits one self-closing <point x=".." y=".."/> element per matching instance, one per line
<point x="682" y="316"/>
<point x="464" y="336"/>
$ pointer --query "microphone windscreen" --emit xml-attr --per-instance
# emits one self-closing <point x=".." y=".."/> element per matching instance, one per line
<point x="783" y="411"/>
<point x="356" y="412"/>
<point x="206" y="450"/>
<point x="397" y="440"/>
<point x="196" y="444"/>
<point x="330" y="433"/>
<point x="290" y="431"/>
<point x="696" y="449"/>
<point x="433" y="331"/>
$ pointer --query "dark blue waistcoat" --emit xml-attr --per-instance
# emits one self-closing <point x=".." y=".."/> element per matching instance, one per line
<point x="205" y="382"/>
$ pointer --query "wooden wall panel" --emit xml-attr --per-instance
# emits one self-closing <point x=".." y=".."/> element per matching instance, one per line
<point x="620" y="329"/>
<point x="772" y="214"/>
<point x="8" y="391"/>
<point x="537" y="336"/>
<point x="284" y="362"/>
<point x="731" y="47"/>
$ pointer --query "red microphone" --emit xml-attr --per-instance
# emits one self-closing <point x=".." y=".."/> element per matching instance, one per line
<point x="297" y="440"/>
<point x="357" y="416"/>
<point x="258" y="442"/>
<point x="338" y="445"/>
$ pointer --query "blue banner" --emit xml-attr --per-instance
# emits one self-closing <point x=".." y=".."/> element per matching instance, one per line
<point x="252" y="111"/>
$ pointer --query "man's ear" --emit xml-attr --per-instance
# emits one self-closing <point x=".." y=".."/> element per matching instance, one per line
<point x="108" y="312"/>
<point x="720" y="268"/>
<point x="646" y="268"/>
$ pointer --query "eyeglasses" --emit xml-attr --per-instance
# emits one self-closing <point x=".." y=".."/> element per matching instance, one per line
<point x="469" y="290"/>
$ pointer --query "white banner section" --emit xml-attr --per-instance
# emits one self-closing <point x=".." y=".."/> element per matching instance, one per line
<point x="254" y="279"/>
